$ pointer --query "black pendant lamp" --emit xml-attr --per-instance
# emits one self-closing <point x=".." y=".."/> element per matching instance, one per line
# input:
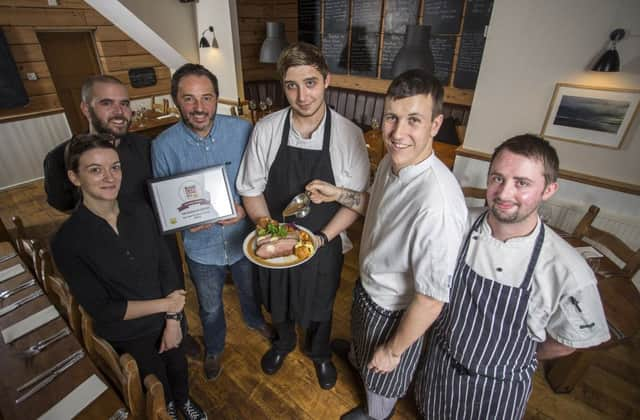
<point x="610" y="60"/>
<point x="274" y="43"/>
<point x="416" y="51"/>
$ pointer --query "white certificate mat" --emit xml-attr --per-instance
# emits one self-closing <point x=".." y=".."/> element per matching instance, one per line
<point x="192" y="199"/>
<point x="77" y="400"/>
<point x="11" y="272"/>
<point x="29" y="324"/>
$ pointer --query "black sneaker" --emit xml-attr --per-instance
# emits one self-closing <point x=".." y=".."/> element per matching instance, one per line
<point x="192" y="411"/>
<point x="171" y="410"/>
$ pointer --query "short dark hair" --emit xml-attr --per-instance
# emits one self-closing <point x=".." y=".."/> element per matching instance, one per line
<point x="418" y="82"/>
<point x="86" y="91"/>
<point x="82" y="143"/>
<point x="191" y="69"/>
<point x="533" y="147"/>
<point x="302" y="54"/>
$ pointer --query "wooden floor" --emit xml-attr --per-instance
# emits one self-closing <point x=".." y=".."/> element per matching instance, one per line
<point x="610" y="389"/>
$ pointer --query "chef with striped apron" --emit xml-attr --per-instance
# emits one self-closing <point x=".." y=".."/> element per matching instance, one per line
<point x="480" y="359"/>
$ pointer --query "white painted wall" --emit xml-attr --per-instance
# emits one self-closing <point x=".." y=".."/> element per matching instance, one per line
<point x="223" y="61"/>
<point x="25" y="143"/>
<point x="531" y="46"/>
<point x="174" y="21"/>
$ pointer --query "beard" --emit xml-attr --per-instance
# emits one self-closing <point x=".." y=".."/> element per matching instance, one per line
<point x="511" y="218"/>
<point x="102" y="127"/>
<point x="188" y="123"/>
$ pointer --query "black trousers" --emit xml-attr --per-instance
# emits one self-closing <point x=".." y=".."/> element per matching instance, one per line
<point x="316" y="340"/>
<point x="170" y="367"/>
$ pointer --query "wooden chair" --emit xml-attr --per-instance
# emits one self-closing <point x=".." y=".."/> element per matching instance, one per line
<point x="473" y="192"/>
<point x="59" y="293"/>
<point x="156" y="404"/>
<point x="620" y="299"/>
<point x="27" y="248"/>
<point x="4" y="233"/>
<point x="121" y="370"/>
<point x="585" y="229"/>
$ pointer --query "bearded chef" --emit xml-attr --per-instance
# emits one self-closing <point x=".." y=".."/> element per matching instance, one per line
<point x="288" y="149"/>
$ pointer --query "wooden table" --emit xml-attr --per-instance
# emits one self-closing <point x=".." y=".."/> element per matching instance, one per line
<point x="151" y="126"/>
<point x="621" y="303"/>
<point x="15" y="370"/>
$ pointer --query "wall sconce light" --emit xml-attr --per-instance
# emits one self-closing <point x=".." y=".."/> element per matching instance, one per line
<point x="204" y="43"/>
<point x="274" y="43"/>
<point x="415" y="53"/>
<point x="610" y="60"/>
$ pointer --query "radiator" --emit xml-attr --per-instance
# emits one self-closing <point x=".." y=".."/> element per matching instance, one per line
<point x="566" y="216"/>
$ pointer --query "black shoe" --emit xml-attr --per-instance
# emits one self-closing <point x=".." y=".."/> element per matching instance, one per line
<point x="326" y="373"/>
<point x="191" y="347"/>
<point x="213" y="366"/>
<point x="272" y="361"/>
<point x="358" y="413"/>
<point x="192" y="411"/>
<point x="341" y="347"/>
<point x="171" y="410"/>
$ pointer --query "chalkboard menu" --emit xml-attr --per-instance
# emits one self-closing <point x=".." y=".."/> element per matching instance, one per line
<point x="469" y="58"/>
<point x="336" y="16"/>
<point x="444" y="16"/>
<point x="399" y="14"/>
<point x="309" y="15"/>
<point x="442" y="47"/>
<point x="310" y="38"/>
<point x="364" y="53"/>
<point x="477" y="16"/>
<point x="334" y="49"/>
<point x="391" y="45"/>
<point x="366" y="15"/>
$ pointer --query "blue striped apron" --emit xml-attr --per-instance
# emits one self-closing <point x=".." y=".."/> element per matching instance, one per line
<point x="372" y="326"/>
<point x="480" y="358"/>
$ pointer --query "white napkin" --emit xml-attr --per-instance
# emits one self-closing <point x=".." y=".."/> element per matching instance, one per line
<point x="77" y="400"/>
<point x="12" y="271"/>
<point x="588" y="252"/>
<point x="29" y="324"/>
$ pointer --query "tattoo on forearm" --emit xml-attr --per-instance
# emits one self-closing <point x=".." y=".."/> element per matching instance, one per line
<point x="350" y="198"/>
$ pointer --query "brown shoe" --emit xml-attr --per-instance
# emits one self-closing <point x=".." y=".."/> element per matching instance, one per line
<point x="191" y="347"/>
<point x="266" y="330"/>
<point x="213" y="366"/>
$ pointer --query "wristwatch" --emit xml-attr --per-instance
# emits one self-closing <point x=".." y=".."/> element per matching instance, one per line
<point x="174" y="315"/>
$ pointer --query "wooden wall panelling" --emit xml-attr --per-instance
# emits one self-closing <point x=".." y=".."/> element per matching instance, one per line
<point x="116" y="48"/>
<point x="38" y="105"/>
<point x="20" y="35"/>
<point x="21" y="19"/>
<point x="38" y="67"/>
<point x="109" y="33"/>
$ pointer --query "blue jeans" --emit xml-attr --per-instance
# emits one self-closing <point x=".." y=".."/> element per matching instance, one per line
<point x="209" y="282"/>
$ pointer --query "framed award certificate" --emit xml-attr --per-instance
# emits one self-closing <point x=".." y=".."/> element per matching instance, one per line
<point x="192" y="199"/>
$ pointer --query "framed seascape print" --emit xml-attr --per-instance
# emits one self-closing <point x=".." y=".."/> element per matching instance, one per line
<point x="192" y="199"/>
<point x="595" y="116"/>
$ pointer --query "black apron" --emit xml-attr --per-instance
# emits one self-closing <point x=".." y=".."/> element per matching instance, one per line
<point x="304" y="293"/>
<point x="480" y="360"/>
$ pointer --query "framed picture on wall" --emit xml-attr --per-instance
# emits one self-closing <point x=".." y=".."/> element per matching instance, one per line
<point x="596" y="116"/>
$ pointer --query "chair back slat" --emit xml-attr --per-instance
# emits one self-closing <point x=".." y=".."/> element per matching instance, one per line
<point x="156" y="404"/>
<point x="121" y="370"/>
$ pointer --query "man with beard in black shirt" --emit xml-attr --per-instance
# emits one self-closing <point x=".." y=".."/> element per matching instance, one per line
<point x="106" y="105"/>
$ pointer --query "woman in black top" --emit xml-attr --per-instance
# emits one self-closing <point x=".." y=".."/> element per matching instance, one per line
<point x="120" y="271"/>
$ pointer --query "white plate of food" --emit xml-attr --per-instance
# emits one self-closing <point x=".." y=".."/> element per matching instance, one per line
<point x="278" y="245"/>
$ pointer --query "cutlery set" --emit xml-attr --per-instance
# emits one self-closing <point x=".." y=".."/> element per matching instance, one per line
<point x="7" y="257"/>
<point x="43" y="379"/>
<point x="18" y="303"/>
<point x="10" y="292"/>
